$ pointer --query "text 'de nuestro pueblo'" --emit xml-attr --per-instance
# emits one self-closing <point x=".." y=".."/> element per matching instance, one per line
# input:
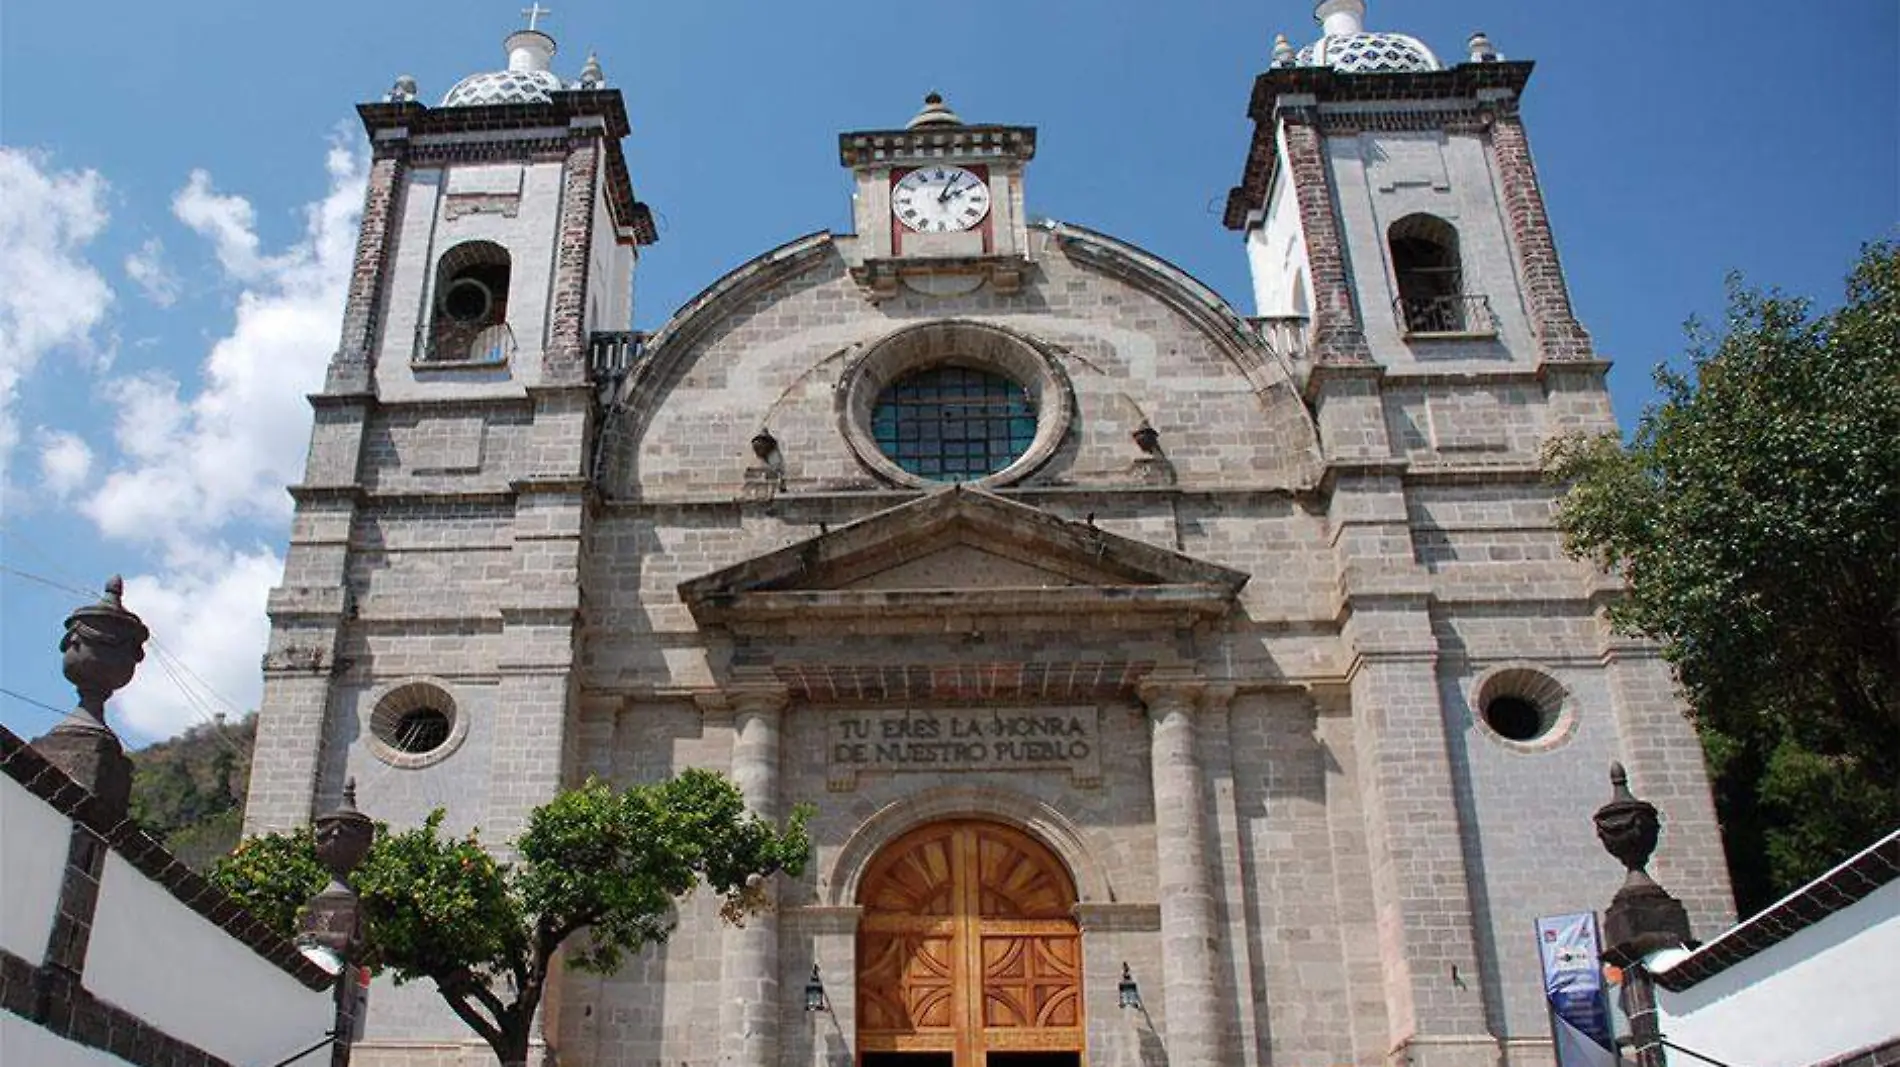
<point x="937" y="740"/>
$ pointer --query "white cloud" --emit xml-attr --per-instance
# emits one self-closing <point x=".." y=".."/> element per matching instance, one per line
<point x="49" y="295"/>
<point x="228" y="222"/>
<point x="195" y="461"/>
<point x="209" y="630"/>
<point x="65" y="462"/>
<point x="198" y="458"/>
<point x="148" y="270"/>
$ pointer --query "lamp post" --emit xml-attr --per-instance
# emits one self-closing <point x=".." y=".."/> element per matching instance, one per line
<point x="333" y="921"/>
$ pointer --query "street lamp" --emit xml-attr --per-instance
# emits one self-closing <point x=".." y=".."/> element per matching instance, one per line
<point x="333" y="921"/>
<point x="1127" y="993"/>
<point x="815" y="998"/>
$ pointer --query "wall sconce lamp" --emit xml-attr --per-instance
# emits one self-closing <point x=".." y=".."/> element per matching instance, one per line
<point x="1127" y="993"/>
<point x="815" y="998"/>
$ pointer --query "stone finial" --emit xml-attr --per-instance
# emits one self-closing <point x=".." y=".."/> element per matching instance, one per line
<point x="1642" y="916"/>
<point x="103" y="646"/>
<point x="1283" y="54"/>
<point x="591" y="75"/>
<point x="99" y="653"/>
<point x="935" y="113"/>
<point x="1482" y="50"/>
<point x="403" y="91"/>
<point x="1628" y="827"/>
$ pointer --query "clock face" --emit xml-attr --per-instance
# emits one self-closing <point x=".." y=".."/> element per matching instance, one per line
<point x="940" y="199"/>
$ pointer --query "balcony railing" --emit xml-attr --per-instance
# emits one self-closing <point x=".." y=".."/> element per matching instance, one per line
<point x="1285" y="334"/>
<point x="1458" y="314"/>
<point x="612" y="353"/>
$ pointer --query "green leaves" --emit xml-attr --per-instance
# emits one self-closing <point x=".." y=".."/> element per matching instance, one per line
<point x="1756" y="518"/>
<point x="611" y="863"/>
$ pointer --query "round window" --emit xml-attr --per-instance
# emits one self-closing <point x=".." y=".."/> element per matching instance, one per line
<point x="1520" y="704"/>
<point x="955" y="402"/>
<point x="416" y="723"/>
<point x="954" y="424"/>
<point x="421" y="730"/>
<point x="1514" y="718"/>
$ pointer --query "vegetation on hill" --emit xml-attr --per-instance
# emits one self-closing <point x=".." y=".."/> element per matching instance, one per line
<point x="189" y="791"/>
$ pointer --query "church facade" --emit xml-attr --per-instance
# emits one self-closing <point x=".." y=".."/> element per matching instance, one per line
<point x="1173" y="685"/>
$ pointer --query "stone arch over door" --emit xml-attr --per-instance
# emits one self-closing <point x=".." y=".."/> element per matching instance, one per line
<point x="1041" y="821"/>
<point x="968" y="946"/>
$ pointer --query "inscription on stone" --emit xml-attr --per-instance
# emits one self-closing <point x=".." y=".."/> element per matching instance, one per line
<point x="899" y="740"/>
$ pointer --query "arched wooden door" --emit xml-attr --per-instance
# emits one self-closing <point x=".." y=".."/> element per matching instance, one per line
<point x="968" y="945"/>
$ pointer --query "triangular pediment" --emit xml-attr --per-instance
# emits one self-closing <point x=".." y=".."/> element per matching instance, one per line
<point x="962" y="551"/>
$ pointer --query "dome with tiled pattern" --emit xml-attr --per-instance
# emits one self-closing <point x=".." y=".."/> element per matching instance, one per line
<point x="1349" y="48"/>
<point x="526" y="81"/>
<point x="1369" y="53"/>
<point x="504" y="87"/>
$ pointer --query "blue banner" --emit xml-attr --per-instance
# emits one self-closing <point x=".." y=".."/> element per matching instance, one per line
<point x="1574" y="991"/>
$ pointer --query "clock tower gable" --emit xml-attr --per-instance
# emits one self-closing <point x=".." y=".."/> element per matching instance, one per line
<point x="938" y="205"/>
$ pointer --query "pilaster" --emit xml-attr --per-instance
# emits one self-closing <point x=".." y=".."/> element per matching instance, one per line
<point x="1338" y="335"/>
<point x="1559" y="335"/>
<point x="1190" y="937"/>
<point x="749" y="1004"/>
<point x="565" y="361"/>
<point x="350" y="370"/>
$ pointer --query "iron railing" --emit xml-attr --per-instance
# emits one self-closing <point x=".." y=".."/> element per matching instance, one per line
<point x="612" y="353"/>
<point x="1285" y="334"/>
<point x="1456" y="313"/>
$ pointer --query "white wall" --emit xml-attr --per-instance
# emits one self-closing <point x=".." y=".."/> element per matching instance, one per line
<point x="1831" y="989"/>
<point x="33" y="841"/>
<point x="24" y="1043"/>
<point x="1276" y="251"/>
<point x="159" y="960"/>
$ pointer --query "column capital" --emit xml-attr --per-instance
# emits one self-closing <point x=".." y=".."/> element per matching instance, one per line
<point x="754" y="690"/>
<point x="1171" y="689"/>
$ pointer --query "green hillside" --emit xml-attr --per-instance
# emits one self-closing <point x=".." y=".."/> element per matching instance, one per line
<point x="189" y="791"/>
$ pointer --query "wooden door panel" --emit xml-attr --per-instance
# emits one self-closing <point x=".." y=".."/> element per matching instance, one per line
<point x="968" y="937"/>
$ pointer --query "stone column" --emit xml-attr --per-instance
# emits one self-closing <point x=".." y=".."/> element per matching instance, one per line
<point x="749" y="1002"/>
<point x="1189" y="939"/>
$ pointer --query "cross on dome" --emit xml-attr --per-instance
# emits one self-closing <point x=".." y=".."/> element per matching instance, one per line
<point x="533" y="13"/>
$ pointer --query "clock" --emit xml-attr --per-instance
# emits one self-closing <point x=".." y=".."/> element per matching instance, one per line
<point x="940" y="199"/>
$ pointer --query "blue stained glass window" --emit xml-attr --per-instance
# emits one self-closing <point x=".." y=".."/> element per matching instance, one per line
<point x="954" y="424"/>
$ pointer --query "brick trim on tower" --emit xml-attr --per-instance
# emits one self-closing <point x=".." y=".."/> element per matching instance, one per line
<point x="1338" y="336"/>
<point x="565" y="361"/>
<point x="1559" y="335"/>
<point x="349" y="368"/>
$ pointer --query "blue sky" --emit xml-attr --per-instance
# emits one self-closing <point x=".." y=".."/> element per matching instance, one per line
<point x="178" y="188"/>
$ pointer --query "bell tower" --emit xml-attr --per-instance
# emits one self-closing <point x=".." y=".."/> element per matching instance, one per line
<point x="424" y="637"/>
<point x="1403" y="263"/>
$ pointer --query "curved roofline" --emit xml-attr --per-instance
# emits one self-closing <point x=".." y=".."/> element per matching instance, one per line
<point x="692" y="318"/>
<point x="1180" y="290"/>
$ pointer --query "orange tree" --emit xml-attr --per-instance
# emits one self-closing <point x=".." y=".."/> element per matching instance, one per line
<point x="595" y="867"/>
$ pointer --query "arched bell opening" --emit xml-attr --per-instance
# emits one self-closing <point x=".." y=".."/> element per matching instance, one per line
<point x="968" y="952"/>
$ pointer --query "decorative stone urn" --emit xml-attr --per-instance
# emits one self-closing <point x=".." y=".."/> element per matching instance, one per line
<point x="100" y="652"/>
<point x="1642" y="917"/>
<point x="344" y="835"/>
